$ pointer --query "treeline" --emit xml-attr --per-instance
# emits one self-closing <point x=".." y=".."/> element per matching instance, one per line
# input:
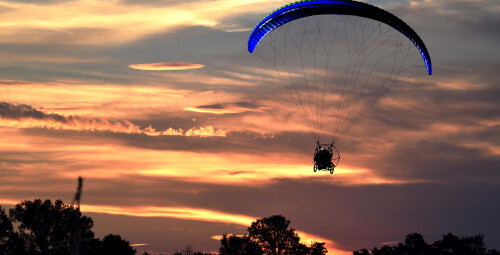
<point x="449" y="245"/>
<point x="46" y="228"/>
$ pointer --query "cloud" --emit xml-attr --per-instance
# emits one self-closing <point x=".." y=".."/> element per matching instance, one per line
<point x="440" y="161"/>
<point x="166" y="66"/>
<point x="26" y="116"/>
<point x="96" y="22"/>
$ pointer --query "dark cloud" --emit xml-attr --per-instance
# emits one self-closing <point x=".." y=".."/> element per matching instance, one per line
<point x="247" y="105"/>
<point x="213" y="106"/>
<point x="420" y="106"/>
<point x="476" y="17"/>
<point x="22" y="111"/>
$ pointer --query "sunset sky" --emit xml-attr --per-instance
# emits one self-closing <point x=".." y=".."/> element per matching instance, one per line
<point x="182" y="135"/>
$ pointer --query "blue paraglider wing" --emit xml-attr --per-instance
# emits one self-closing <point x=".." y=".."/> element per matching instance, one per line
<point x="307" y="8"/>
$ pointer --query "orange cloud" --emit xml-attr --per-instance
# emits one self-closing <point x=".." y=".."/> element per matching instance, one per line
<point x="139" y="244"/>
<point x="166" y="66"/>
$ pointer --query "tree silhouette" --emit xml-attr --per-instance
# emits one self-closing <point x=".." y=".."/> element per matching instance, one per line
<point x="46" y="228"/>
<point x="271" y="235"/>
<point x="114" y="245"/>
<point x="275" y="237"/>
<point x="42" y="225"/>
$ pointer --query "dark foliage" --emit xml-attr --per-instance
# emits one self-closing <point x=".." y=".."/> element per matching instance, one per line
<point x="318" y="249"/>
<point x="46" y="228"/>
<point x="10" y="243"/>
<point x="239" y="245"/>
<point x="449" y="245"/>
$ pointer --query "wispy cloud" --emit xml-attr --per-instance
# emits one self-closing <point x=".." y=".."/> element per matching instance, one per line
<point x="26" y="116"/>
<point x="166" y="66"/>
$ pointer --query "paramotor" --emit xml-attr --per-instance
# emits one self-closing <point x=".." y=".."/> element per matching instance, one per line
<point x="336" y="58"/>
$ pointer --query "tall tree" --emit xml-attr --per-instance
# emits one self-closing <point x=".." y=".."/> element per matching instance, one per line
<point x="46" y="228"/>
<point x="276" y="237"/>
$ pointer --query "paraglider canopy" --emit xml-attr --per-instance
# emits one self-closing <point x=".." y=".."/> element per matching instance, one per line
<point x="307" y="8"/>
